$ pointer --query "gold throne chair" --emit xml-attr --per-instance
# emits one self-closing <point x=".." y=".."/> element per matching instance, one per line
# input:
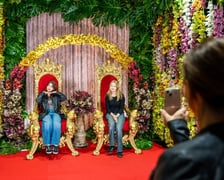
<point x="44" y="73"/>
<point x="105" y="74"/>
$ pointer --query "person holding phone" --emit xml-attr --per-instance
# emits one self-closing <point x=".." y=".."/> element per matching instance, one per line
<point x="50" y="116"/>
<point x="203" y="156"/>
<point x="115" y="100"/>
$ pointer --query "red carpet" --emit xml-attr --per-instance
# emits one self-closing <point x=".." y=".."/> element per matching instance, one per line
<point x="85" y="166"/>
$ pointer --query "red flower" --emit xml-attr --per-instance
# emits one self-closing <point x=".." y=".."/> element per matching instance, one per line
<point x="83" y="93"/>
<point x="135" y="85"/>
<point x="140" y="77"/>
<point x="16" y="84"/>
<point x="7" y="84"/>
<point x="145" y="85"/>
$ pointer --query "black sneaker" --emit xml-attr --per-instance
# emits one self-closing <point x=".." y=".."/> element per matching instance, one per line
<point x="48" y="150"/>
<point x="120" y="154"/>
<point x="55" y="150"/>
<point x="111" y="149"/>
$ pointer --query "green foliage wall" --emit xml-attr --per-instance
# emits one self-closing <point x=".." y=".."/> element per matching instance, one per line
<point x="138" y="14"/>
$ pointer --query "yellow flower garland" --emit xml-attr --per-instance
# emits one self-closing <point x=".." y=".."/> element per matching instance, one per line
<point x="93" y="40"/>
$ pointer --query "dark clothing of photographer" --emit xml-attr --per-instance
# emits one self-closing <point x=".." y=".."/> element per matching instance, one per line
<point x="201" y="158"/>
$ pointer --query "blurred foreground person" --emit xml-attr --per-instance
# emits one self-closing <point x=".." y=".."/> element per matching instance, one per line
<point x="203" y="156"/>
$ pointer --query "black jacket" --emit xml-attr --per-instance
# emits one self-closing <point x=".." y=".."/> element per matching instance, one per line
<point x="115" y="106"/>
<point x="201" y="158"/>
<point x="57" y="98"/>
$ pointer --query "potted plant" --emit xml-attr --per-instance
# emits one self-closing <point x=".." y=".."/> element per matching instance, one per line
<point x="82" y="103"/>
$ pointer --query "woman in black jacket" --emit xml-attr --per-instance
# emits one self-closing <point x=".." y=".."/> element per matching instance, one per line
<point x="201" y="158"/>
<point x="114" y="101"/>
<point x="50" y="115"/>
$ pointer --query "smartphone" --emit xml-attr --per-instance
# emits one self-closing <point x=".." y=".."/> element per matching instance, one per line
<point x="172" y="100"/>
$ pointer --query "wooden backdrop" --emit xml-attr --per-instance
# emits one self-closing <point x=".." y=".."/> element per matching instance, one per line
<point x="78" y="60"/>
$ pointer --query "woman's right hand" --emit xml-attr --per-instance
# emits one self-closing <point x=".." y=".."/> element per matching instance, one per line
<point x="49" y="92"/>
<point x="182" y="113"/>
<point x="114" y="117"/>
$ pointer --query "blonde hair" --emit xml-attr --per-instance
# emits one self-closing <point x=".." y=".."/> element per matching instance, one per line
<point x="118" y="93"/>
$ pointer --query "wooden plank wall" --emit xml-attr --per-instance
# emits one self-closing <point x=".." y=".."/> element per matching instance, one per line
<point x="78" y="60"/>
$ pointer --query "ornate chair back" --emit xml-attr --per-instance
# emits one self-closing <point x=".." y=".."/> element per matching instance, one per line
<point x="44" y="73"/>
<point x="105" y="74"/>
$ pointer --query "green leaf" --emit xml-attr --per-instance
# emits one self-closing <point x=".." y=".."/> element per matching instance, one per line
<point x="7" y="148"/>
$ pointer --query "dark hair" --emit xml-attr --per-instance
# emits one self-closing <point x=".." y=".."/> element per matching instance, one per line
<point x="204" y="70"/>
<point x="53" y="84"/>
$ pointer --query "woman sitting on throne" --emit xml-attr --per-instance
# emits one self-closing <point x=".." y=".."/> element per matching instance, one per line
<point x="114" y="100"/>
<point x="50" y="100"/>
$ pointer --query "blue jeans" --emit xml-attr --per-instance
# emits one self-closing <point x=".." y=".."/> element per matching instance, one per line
<point x="118" y="127"/>
<point x="51" y="128"/>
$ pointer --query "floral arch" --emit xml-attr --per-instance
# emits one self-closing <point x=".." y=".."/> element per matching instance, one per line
<point x="94" y="40"/>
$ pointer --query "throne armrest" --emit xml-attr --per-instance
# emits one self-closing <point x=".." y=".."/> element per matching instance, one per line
<point x="35" y="108"/>
<point x="34" y="128"/>
<point x="98" y="123"/>
<point x="70" y="123"/>
<point x="64" y="109"/>
<point x="127" y="110"/>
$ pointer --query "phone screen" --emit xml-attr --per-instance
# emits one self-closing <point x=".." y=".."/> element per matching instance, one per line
<point x="172" y="100"/>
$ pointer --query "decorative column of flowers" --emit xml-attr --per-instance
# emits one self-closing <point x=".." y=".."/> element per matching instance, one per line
<point x="166" y="68"/>
<point x="184" y="26"/>
<point x="82" y="103"/>
<point x="198" y="28"/>
<point x="218" y="21"/>
<point x="142" y="96"/>
<point x="168" y="65"/>
<point x="184" y="31"/>
<point x="159" y="67"/>
<point x="13" y="124"/>
<point x="2" y="76"/>
<point x="210" y="19"/>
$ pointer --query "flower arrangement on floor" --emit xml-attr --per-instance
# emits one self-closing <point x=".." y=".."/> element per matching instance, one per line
<point x="13" y="124"/>
<point x="81" y="102"/>
<point x="13" y="114"/>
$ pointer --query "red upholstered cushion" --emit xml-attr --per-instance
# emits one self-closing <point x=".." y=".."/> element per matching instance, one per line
<point x="105" y="83"/>
<point x="43" y="82"/>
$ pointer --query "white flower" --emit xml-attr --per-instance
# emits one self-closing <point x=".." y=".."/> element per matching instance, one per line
<point x="209" y="23"/>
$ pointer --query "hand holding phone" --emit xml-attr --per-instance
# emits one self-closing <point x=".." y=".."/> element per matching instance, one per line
<point x="172" y="100"/>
